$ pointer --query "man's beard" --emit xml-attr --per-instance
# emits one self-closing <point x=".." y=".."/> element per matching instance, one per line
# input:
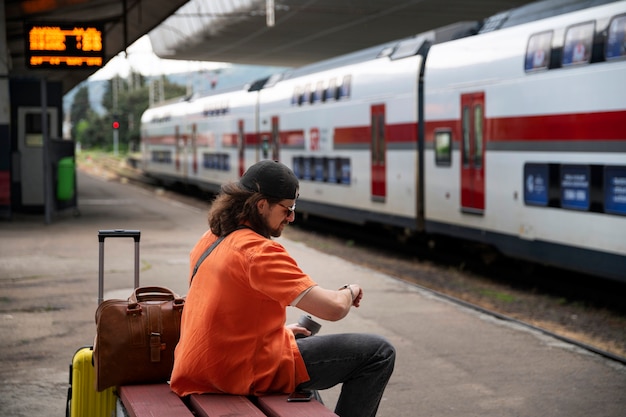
<point x="278" y="231"/>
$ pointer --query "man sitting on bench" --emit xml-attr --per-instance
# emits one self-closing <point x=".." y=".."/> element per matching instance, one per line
<point x="233" y="336"/>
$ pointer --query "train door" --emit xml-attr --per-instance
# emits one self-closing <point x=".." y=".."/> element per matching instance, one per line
<point x="183" y="143"/>
<point x="275" y="140"/>
<point x="30" y="149"/>
<point x="473" y="153"/>
<point x="378" y="150"/>
<point x="194" y="149"/>
<point x="177" y="140"/>
<point x="182" y="153"/>
<point x="241" y="147"/>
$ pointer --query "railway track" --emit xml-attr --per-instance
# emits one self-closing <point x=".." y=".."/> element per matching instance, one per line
<point x="584" y="311"/>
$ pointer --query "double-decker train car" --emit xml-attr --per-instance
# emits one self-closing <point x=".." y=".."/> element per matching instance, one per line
<point x="511" y="133"/>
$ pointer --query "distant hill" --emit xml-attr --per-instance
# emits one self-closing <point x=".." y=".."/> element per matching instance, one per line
<point x="201" y="81"/>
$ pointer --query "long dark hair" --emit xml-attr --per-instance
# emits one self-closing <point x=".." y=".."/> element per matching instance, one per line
<point x="235" y="206"/>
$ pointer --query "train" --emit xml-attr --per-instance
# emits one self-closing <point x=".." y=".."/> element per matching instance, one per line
<point x="509" y="132"/>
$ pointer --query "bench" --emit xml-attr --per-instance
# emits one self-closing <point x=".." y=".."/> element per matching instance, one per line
<point x="158" y="400"/>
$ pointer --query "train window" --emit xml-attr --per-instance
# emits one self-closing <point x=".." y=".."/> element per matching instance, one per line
<point x="378" y="139"/>
<point x="615" y="189"/>
<point x="590" y="188"/>
<point x="306" y="169"/>
<point x="466" y="136"/>
<point x="578" y="43"/>
<point x="346" y="170"/>
<point x="408" y="47"/>
<point x="331" y="170"/>
<point x="161" y="119"/>
<point x="307" y="97"/>
<point x="478" y="136"/>
<point x="320" y="173"/>
<point x="224" y="162"/>
<point x="443" y="148"/>
<point x="318" y="92"/>
<point x="216" y="161"/>
<point x="323" y="169"/>
<point x="209" y="161"/>
<point x="331" y="91"/>
<point x="616" y="40"/>
<point x="575" y="187"/>
<point x="344" y="90"/>
<point x="298" y="166"/>
<point x="162" y="157"/>
<point x="536" y="184"/>
<point x="295" y="98"/>
<point x="381" y="139"/>
<point x="374" y="140"/>
<point x="538" y="51"/>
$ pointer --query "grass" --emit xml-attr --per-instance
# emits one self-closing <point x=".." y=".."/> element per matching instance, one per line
<point x="497" y="295"/>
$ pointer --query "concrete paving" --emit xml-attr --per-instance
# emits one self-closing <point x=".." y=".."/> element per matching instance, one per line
<point x="452" y="361"/>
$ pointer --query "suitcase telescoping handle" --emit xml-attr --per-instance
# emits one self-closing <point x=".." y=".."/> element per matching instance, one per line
<point x="102" y="234"/>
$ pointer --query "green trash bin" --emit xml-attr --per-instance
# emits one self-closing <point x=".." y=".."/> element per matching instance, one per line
<point x="65" y="179"/>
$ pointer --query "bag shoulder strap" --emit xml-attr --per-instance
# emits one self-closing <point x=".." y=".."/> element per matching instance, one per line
<point x="209" y="250"/>
<point x="205" y="254"/>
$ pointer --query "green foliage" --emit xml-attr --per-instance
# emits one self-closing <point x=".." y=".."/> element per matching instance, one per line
<point x="499" y="295"/>
<point x="89" y="131"/>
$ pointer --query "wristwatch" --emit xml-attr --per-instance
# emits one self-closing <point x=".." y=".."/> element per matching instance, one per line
<point x="349" y="288"/>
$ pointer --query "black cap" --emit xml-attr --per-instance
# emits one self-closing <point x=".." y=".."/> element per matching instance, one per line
<point x="272" y="179"/>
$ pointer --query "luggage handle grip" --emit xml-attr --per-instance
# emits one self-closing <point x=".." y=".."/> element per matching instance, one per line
<point x="152" y="294"/>
<point x="102" y="234"/>
<point x="135" y="234"/>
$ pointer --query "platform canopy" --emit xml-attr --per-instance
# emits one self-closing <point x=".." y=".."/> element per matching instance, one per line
<point x="298" y="32"/>
<point x="260" y="32"/>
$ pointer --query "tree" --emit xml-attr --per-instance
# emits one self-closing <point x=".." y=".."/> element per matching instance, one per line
<point x="80" y="108"/>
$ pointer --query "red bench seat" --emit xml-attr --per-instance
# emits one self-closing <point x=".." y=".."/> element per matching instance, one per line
<point x="158" y="400"/>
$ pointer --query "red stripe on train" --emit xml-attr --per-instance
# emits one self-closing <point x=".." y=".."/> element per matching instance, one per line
<point x="575" y="126"/>
<point x="396" y="133"/>
<point x="581" y="126"/>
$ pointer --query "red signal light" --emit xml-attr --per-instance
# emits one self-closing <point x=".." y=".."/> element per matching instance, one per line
<point x="116" y="125"/>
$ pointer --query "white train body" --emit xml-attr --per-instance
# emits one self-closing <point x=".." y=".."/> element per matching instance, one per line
<point x="501" y="137"/>
<point x="339" y="130"/>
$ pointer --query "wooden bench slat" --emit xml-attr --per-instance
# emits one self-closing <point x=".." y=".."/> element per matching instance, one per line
<point x="154" y="400"/>
<point x="218" y="405"/>
<point x="278" y="406"/>
<point x="158" y="400"/>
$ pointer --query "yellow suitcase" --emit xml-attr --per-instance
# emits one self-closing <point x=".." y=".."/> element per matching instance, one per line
<point x="82" y="398"/>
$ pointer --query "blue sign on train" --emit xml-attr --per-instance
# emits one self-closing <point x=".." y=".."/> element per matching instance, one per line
<point x="615" y="190"/>
<point x="536" y="180"/>
<point x="575" y="184"/>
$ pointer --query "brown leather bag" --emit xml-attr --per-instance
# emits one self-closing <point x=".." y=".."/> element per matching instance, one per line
<point x="136" y="338"/>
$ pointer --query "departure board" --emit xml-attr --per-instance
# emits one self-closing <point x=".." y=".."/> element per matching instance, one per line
<point x="64" y="46"/>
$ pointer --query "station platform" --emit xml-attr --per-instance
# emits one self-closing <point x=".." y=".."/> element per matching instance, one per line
<point x="452" y="361"/>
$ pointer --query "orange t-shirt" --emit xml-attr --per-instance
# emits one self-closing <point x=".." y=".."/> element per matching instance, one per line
<point x="233" y="337"/>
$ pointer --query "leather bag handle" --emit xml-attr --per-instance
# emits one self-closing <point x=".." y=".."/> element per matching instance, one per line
<point x="143" y="294"/>
<point x="152" y="294"/>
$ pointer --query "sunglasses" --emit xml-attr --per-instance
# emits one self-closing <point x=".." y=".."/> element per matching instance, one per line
<point x="290" y="210"/>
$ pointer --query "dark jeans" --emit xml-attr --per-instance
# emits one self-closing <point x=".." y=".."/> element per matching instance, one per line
<point x="362" y="362"/>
